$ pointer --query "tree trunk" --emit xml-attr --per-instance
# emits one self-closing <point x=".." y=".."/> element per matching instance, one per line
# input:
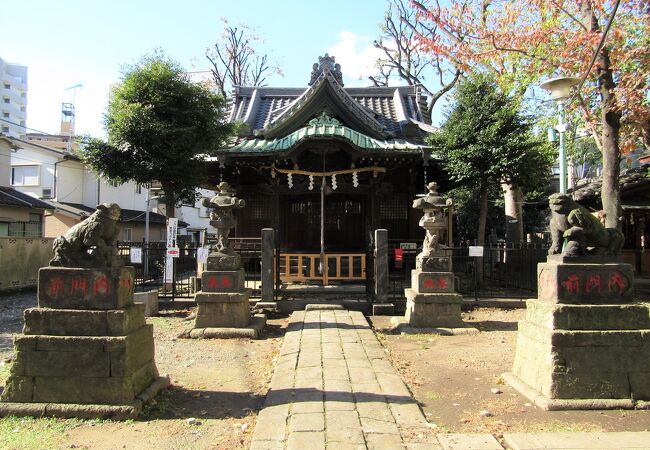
<point x="514" y="199"/>
<point x="611" y="118"/>
<point x="482" y="218"/>
<point x="170" y="200"/>
<point x="611" y="122"/>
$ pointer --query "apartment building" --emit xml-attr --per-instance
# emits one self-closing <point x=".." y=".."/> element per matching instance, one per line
<point x="13" y="99"/>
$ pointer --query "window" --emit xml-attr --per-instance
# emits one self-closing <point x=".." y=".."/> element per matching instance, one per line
<point x="138" y="188"/>
<point x="5" y="114"/>
<point x="113" y="183"/>
<point x="34" y="217"/>
<point x="4" y="229"/>
<point x="25" y="176"/>
<point x="7" y="100"/>
<point x="5" y="129"/>
<point x="7" y="86"/>
<point x="127" y="234"/>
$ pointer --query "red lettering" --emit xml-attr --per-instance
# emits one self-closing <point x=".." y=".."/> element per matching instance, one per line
<point x="594" y="282"/>
<point x="572" y="284"/>
<point x="79" y="284"/>
<point x="429" y="283"/>
<point x="213" y="282"/>
<point x="101" y="285"/>
<point x="617" y="281"/>
<point x="226" y="282"/>
<point x="56" y="287"/>
<point x="442" y="283"/>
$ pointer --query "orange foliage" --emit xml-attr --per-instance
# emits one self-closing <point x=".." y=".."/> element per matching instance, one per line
<point x="523" y="41"/>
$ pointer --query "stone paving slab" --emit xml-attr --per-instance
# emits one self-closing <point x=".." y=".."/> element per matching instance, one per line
<point x="546" y="441"/>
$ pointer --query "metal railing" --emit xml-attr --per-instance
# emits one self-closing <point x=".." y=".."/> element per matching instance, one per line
<point x="505" y="271"/>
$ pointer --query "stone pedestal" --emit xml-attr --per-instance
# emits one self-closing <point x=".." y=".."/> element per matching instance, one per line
<point x="432" y="304"/>
<point x="583" y="344"/>
<point x="85" y="351"/>
<point x="223" y="309"/>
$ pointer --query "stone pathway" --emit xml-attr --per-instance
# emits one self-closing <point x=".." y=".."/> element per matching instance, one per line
<point x="333" y="387"/>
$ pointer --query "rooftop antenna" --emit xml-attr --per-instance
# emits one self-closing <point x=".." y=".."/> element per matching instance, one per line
<point x="68" y="115"/>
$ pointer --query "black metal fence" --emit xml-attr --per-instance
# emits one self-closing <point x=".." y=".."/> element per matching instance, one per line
<point x="150" y="272"/>
<point x="504" y="271"/>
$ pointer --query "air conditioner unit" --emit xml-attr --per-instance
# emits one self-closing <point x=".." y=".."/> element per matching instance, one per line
<point x="47" y="193"/>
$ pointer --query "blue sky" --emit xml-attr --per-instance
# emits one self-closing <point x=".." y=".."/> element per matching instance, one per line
<point x="71" y="41"/>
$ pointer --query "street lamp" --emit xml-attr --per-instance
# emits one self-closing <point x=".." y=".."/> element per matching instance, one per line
<point x="560" y="89"/>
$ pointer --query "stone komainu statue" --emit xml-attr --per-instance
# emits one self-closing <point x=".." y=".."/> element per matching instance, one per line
<point x="580" y="232"/>
<point x="91" y="243"/>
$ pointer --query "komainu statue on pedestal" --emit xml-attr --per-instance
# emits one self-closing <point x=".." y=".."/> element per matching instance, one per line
<point x="91" y="243"/>
<point x="576" y="232"/>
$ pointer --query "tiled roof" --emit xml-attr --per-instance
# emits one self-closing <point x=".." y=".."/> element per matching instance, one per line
<point x="324" y="126"/>
<point x="259" y="107"/>
<point x="129" y="215"/>
<point x="12" y="197"/>
<point x="591" y="189"/>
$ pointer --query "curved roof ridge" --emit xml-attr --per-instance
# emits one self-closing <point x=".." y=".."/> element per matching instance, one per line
<point x="364" y="115"/>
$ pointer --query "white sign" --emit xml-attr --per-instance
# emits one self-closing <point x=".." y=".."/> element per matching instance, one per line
<point x="408" y="245"/>
<point x="173" y="252"/>
<point x="475" y="250"/>
<point x="202" y="255"/>
<point x="169" y="269"/>
<point x="172" y="230"/>
<point x="136" y="255"/>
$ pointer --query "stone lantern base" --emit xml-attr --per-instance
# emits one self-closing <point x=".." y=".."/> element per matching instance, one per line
<point x="432" y="305"/>
<point x="223" y="309"/>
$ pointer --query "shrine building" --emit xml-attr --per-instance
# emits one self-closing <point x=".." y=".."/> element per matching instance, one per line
<point x="325" y="165"/>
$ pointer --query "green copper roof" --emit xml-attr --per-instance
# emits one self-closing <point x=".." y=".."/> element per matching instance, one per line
<point x="324" y="126"/>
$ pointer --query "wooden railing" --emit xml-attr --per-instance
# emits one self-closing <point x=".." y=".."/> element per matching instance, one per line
<point x="339" y="267"/>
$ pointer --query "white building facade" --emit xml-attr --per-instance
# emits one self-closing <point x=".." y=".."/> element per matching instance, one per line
<point x="61" y="178"/>
<point x="13" y="99"/>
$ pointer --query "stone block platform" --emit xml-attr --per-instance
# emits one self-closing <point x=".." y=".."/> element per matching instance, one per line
<point x="85" y="352"/>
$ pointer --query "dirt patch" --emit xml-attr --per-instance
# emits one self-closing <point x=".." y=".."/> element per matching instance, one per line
<point x="218" y="388"/>
<point x="453" y="377"/>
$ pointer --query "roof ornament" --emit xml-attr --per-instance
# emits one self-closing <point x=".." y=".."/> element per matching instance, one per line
<point x="324" y="119"/>
<point x="328" y="63"/>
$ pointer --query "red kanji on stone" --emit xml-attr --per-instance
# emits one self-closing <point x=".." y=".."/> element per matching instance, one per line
<point x="101" y="285"/>
<point x="442" y="283"/>
<point x="594" y="282"/>
<point x="56" y="287"/>
<point x="79" y="284"/>
<point x="429" y="283"/>
<point x="226" y="282"/>
<point x="213" y="282"/>
<point x="617" y="281"/>
<point x="572" y="284"/>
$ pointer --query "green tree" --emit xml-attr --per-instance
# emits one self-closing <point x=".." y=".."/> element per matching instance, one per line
<point x="160" y="127"/>
<point x="486" y="142"/>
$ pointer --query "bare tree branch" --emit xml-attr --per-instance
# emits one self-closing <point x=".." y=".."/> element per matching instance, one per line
<point x="403" y="57"/>
<point x="236" y="62"/>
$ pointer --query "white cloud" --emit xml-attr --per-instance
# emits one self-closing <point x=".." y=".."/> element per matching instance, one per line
<point x="357" y="58"/>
